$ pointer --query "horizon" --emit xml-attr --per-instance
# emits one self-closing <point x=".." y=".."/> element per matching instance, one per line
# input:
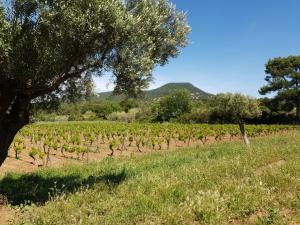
<point x="230" y="44"/>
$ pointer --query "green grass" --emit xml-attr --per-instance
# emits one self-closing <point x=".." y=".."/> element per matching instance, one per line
<point x="223" y="183"/>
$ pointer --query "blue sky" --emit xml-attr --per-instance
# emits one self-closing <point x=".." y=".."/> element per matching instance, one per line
<point x="230" y="43"/>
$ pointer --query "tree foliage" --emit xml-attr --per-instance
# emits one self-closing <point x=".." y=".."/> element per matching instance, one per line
<point x="44" y="44"/>
<point x="79" y="89"/>
<point x="237" y="107"/>
<point x="173" y="105"/>
<point x="129" y="103"/>
<point x="283" y="77"/>
<point x="50" y="41"/>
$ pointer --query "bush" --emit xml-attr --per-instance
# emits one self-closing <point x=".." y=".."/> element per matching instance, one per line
<point x="89" y="115"/>
<point x="128" y="104"/>
<point x="61" y="118"/>
<point x="145" y="113"/>
<point x="123" y="116"/>
<point x="44" y="116"/>
<point x="173" y="105"/>
<point x="196" y="116"/>
<point x="103" y="109"/>
<point x="74" y="117"/>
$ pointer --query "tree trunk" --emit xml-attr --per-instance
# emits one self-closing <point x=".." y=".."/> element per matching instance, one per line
<point x="243" y="133"/>
<point x="14" y="115"/>
<point x="298" y="111"/>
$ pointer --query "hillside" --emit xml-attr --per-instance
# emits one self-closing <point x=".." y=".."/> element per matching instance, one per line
<point x="163" y="91"/>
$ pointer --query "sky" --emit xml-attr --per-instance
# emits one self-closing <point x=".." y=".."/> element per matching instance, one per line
<point x="230" y="43"/>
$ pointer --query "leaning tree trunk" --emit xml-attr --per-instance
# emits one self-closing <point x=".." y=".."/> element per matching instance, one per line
<point x="298" y="112"/>
<point x="14" y="115"/>
<point x="243" y="132"/>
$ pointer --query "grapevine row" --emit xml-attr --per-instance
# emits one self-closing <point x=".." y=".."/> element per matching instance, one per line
<point x="77" y="140"/>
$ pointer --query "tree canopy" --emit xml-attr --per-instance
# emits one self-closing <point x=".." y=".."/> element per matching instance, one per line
<point x="47" y="42"/>
<point x="173" y="105"/>
<point x="44" y="44"/>
<point x="237" y="107"/>
<point x="283" y="77"/>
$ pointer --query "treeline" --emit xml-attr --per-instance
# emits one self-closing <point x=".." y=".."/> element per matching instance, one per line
<point x="175" y="107"/>
<point x="282" y="77"/>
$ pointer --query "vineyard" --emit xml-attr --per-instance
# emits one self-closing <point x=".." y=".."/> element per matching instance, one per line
<point x="218" y="183"/>
<point x="40" y="142"/>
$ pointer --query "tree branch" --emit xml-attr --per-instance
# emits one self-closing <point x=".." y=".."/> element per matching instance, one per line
<point x="43" y="91"/>
<point x="65" y="75"/>
<point x="76" y="74"/>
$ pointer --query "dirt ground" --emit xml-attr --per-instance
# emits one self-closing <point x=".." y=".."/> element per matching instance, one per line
<point x="5" y="215"/>
<point x="25" y="164"/>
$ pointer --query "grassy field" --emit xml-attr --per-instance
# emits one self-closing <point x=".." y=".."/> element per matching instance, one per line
<point x="221" y="183"/>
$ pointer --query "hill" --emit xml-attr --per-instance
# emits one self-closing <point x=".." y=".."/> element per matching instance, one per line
<point x="170" y="87"/>
<point x="164" y="90"/>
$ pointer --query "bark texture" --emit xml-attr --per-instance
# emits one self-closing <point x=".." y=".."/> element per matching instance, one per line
<point x="14" y="114"/>
<point x="298" y="112"/>
<point x="243" y="133"/>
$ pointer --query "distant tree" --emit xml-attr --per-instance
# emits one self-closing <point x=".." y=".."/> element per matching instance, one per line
<point x="283" y="77"/>
<point x="104" y="108"/>
<point x="275" y="111"/>
<point x="275" y="105"/>
<point x="46" y="44"/>
<point x="129" y="103"/>
<point x="238" y="108"/>
<point x="197" y="115"/>
<point x="173" y="105"/>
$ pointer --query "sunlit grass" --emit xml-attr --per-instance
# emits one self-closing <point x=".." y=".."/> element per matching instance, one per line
<point x="222" y="183"/>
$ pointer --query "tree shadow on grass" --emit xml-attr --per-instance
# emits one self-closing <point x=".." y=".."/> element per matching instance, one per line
<point x="38" y="189"/>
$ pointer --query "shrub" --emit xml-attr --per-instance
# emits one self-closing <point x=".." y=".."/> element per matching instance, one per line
<point x="123" y="116"/>
<point x="196" y="116"/>
<point x="173" y="105"/>
<point x="89" y="115"/>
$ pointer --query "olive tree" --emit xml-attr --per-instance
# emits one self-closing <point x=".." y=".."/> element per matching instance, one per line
<point x="45" y="43"/>
<point x="237" y="107"/>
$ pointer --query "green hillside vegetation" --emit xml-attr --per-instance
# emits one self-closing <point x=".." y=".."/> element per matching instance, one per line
<point x="196" y="93"/>
<point x="215" y="184"/>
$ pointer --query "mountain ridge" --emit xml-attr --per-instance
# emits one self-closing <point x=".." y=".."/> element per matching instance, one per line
<point x="154" y="94"/>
